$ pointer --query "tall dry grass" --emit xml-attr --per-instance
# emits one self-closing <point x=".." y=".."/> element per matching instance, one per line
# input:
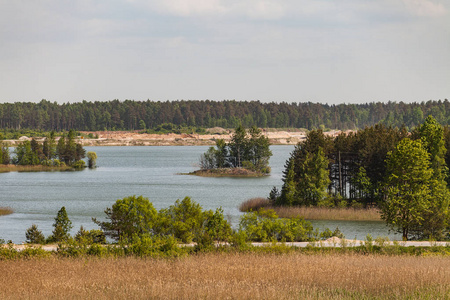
<point x="31" y="168"/>
<point x="5" y="211"/>
<point x="229" y="276"/>
<point x="326" y="213"/>
<point x="313" y="213"/>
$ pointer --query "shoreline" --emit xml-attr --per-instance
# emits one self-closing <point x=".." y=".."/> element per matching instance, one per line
<point x="135" y="138"/>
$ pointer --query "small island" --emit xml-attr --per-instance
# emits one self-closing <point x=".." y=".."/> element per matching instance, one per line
<point x="49" y="155"/>
<point x="246" y="155"/>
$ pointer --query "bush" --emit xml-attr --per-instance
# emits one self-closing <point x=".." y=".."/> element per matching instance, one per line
<point x="92" y="159"/>
<point x="129" y="216"/>
<point x="265" y="226"/>
<point x="79" y="164"/>
<point x="183" y="220"/>
<point x="93" y="236"/>
<point x="34" y="235"/>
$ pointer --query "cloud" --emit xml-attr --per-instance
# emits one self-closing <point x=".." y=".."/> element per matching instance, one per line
<point x="425" y="8"/>
<point x="253" y="9"/>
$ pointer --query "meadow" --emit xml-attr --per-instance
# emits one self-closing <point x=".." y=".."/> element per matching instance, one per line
<point x="229" y="276"/>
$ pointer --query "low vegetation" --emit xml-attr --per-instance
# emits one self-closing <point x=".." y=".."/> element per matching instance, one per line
<point x="228" y="172"/>
<point x="229" y="276"/>
<point x="5" y="211"/>
<point x="313" y="212"/>
<point x="32" y="168"/>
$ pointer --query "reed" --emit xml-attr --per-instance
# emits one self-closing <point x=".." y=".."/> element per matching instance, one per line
<point x="229" y="276"/>
<point x="326" y="213"/>
<point x="5" y="211"/>
<point x="313" y="212"/>
<point x="32" y="168"/>
<point x="254" y="204"/>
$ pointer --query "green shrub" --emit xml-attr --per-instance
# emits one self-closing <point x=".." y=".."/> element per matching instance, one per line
<point x="129" y="216"/>
<point x="184" y="220"/>
<point x="94" y="236"/>
<point x="265" y="226"/>
<point x="79" y="164"/>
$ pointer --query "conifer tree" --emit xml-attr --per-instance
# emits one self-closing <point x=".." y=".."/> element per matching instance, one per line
<point x="62" y="226"/>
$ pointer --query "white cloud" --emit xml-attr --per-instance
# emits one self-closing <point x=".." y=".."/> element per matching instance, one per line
<point x="254" y="9"/>
<point x="425" y="8"/>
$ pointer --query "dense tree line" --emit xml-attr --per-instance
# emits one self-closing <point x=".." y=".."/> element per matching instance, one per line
<point x="132" y="115"/>
<point x="405" y="174"/>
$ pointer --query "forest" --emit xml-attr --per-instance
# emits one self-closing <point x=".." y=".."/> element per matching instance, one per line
<point x="134" y="115"/>
<point x="403" y="173"/>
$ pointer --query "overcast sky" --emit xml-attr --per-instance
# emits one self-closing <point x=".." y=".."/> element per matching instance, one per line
<point x="347" y="51"/>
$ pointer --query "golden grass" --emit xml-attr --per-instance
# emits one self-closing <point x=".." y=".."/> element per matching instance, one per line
<point x="228" y="276"/>
<point x="31" y="168"/>
<point x="255" y="204"/>
<point x="5" y="211"/>
<point x="313" y="213"/>
<point x="325" y="213"/>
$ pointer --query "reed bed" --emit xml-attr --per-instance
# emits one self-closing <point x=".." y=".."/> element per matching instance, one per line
<point x="325" y="213"/>
<point x="229" y="276"/>
<point x="5" y="211"/>
<point x="31" y="168"/>
<point x="314" y="213"/>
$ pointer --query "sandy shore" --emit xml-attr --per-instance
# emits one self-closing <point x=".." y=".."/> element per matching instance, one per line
<point x="135" y="138"/>
<point x="332" y="242"/>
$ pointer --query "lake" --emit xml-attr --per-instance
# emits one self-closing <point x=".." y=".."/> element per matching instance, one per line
<point x="152" y="172"/>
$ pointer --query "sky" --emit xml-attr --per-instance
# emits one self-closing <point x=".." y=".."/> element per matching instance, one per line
<point x="347" y="51"/>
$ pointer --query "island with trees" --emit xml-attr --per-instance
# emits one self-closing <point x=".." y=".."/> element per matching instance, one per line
<point x="47" y="155"/>
<point x="246" y="155"/>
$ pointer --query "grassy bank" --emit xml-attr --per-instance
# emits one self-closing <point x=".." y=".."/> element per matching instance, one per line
<point x="228" y="276"/>
<point x="5" y="211"/>
<point x="30" y="168"/>
<point x="313" y="213"/>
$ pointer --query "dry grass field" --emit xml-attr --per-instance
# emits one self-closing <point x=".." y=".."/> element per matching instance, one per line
<point x="313" y="213"/>
<point x="229" y="276"/>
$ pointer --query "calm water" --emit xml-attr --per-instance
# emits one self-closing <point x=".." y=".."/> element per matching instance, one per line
<point x="148" y="171"/>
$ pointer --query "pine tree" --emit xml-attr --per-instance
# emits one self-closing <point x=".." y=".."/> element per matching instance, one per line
<point x="62" y="226"/>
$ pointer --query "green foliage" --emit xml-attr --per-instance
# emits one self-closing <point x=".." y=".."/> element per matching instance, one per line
<point x="79" y="164"/>
<point x="129" y="216"/>
<point x="34" y="235"/>
<point x="407" y="186"/>
<point x="289" y="189"/>
<point x="4" y="154"/>
<point x="250" y="151"/>
<point x="61" y="227"/>
<point x="93" y="236"/>
<point x="31" y="119"/>
<point x="183" y="220"/>
<point x="35" y="153"/>
<point x="265" y="226"/>
<point x="92" y="159"/>
<point x="313" y="178"/>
